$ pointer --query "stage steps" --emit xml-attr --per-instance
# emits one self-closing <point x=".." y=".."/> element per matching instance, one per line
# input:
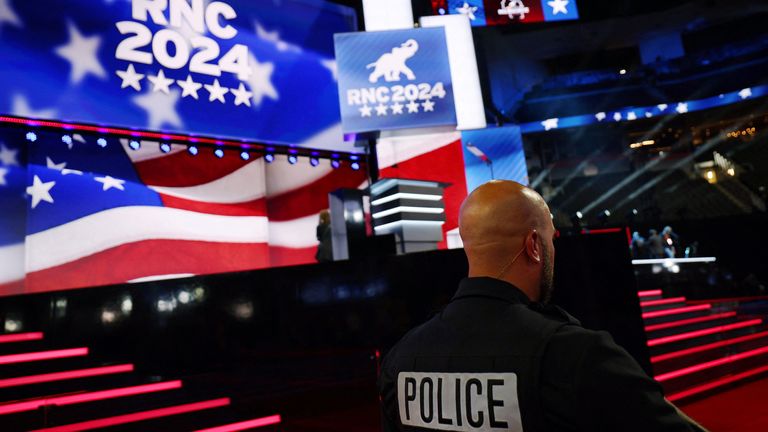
<point x="50" y="388"/>
<point x="698" y="348"/>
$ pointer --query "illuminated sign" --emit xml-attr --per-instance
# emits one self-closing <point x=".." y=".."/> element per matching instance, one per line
<point x="502" y="12"/>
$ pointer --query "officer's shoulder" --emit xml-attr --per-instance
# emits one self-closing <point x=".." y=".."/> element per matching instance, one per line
<point x="553" y="313"/>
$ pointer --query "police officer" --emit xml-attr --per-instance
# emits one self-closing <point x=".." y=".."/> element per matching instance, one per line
<point x="497" y="358"/>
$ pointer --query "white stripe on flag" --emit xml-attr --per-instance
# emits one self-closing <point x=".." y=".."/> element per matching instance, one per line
<point x="283" y="177"/>
<point x="11" y="263"/>
<point x="297" y="233"/>
<point x="243" y="185"/>
<point x="394" y="150"/>
<point x="161" y="277"/>
<point x="114" y="227"/>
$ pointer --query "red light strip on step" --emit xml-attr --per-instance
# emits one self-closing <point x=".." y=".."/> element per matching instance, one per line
<point x="139" y="416"/>
<point x="67" y="375"/>
<point x="662" y="302"/>
<point x="88" y="397"/>
<point x="696" y="320"/>
<point x="704" y="332"/>
<point x="43" y="355"/>
<point x="717" y="383"/>
<point x="710" y="364"/>
<point x="20" y="337"/>
<point x="675" y="311"/>
<point x="249" y="424"/>
<point x="650" y="293"/>
<point x="718" y="344"/>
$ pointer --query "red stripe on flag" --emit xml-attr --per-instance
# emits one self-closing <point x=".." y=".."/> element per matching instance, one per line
<point x="12" y="288"/>
<point x="150" y="258"/>
<point x="251" y="208"/>
<point x="182" y="169"/>
<point x="312" y="198"/>
<point x="283" y="256"/>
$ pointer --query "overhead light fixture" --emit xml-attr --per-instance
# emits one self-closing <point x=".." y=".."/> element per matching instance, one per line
<point x="165" y="148"/>
<point x="193" y="150"/>
<point x="219" y="153"/>
<point x="134" y="145"/>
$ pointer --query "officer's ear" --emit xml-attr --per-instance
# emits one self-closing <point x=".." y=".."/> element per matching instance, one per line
<point x="533" y="245"/>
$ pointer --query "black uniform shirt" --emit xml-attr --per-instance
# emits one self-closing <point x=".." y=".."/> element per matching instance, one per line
<point x="494" y="361"/>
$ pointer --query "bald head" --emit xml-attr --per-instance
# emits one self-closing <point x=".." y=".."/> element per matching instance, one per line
<point x="507" y="233"/>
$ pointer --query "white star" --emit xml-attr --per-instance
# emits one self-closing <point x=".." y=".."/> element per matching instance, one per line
<point x="397" y="108"/>
<point x="242" y="96"/>
<point x="40" y="191"/>
<point x="8" y="156"/>
<point x="365" y="111"/>
<point x="550" y="124"/>
<point x="745" y="93"/>
<point x="67" y="171"/>
<point x="189" y="87"/>
<point x="160" y="108"/>
<point x="662" y="107"/>
<point x="413" y="107"/>
<point x="79" y="138"/>
<point x="648" y="114"/>
<point x="467" y="10"/>
<point x="130" y="78"/>
<point x="558" y="6"/>
<point x="332" y="66"/>
<point x="3" y="172"/>
<point x="21" y="108"/>
<point x="7" y="15"/>
<point x="81" y="52"/>
<point x="274" y="38"/>
<point x="600" y="116"/>
<point x="428" y="105"/>
<point x="631" y="116"/>
<point x="381" y="110"/>
<point x="110" y="183"/>
<point x="160" y="82"/>
<point x="617" y="116"/>
<point x="682" y="107"/>
<point x="216" y="91"/>
<point x="260" y="81"/>
<point x="49" y="163"/>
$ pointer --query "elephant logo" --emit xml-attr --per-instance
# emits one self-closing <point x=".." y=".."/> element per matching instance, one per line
<point x="392" y="64"/>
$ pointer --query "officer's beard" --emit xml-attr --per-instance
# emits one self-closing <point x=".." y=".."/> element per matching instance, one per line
<point x="547" y="276"/>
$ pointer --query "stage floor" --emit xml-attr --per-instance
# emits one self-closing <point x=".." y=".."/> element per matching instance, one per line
<point x="741" y="409"/>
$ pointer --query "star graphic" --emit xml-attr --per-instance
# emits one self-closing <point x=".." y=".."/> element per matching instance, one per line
<point x="81" y="52"/>
<point x="242" y="96"/>
<point x="8" y="156"/>
<point x="558" y="6"/>
<point x="216" y="91"/>
<point x="617" y="116"/>
<point x="274" y="38"/>
<point x="130" y="78"/>
<point x="428" y="105"/>
<point x="397" y="108"/>
<point x="648" y="114"/>
<point x="3" y="172"/>
<point x="467" y="10"/>
<point x="7" y="15"/>
<point x="40" y="191"/>
<point x="20" y="107"/>
<point x="160" y="82"/>
<point x="189" y="87"/>
<point x="682" y="107"/>
<point x="745" y="93"/>
<point x="108" y="183"/>
<point x="600" y="116"/>
<point x="413" y="107"/>
<point x="332" y="67"/>
<point x="49" y="163"/>
<point x="365" y="111"/>
<point x="662" y="107"/>
<point x="631" y="116"/>
<point x="550" y="123"/>
<point x="160" y="108"/>
<point x="381" y="110"/>
<point x="260" y="81"/>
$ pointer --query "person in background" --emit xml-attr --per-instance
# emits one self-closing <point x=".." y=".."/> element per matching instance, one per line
<point x="323" y="233"/>
<point x="670" y="242"/>
<point x="655" y="244"/>
<point x="639" y="246"/>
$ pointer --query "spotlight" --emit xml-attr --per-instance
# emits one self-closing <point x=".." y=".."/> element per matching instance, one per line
<point x="219" y="153"/>
<point x="314" y="161"/>
<point x="292" y="159"/>
<point x="31" y="136"/>
<point x="576" y="219"/>
<point x="269" y="157"/>
<point x="335" y="164"/>
<point x="134" y="145"/>
<point x="165" y="147"/>
<point x="355" y="166"/>
<point x="607" y="213"/>
<point x="193" y="150"/>
<point x="244" y="155"/>
<point x="623" y="72"/>
<point x="101" y="142"/>
<point x="579" y="215"/>
<point x="66" y="139"/>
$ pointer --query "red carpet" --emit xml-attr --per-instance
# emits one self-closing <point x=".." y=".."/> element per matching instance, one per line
<point x="743" y="409"/>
